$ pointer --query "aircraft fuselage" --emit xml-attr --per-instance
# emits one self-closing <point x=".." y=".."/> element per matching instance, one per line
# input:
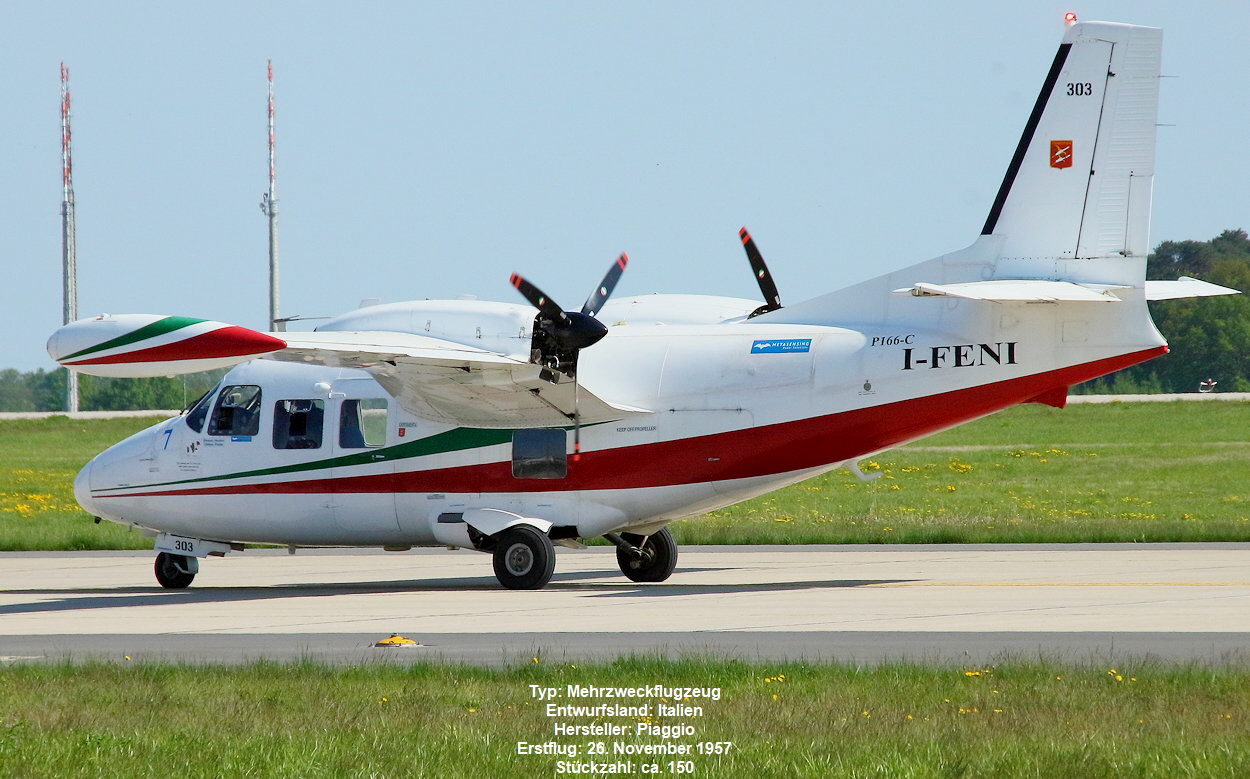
<point x="736" y="409"/>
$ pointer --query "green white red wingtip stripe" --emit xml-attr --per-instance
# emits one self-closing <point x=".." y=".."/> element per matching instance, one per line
<point x="134" y="345"/>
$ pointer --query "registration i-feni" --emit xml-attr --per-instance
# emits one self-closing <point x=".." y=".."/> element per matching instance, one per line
<point x="663" y="753"/>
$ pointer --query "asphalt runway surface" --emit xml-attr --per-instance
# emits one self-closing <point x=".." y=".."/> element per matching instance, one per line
<point x="859" y="604"/>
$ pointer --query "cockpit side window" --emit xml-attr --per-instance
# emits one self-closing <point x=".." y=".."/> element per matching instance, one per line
<point x="199" y="411"/>
<point x="297" y="424"/>
<point x="362" y="423"/>
<point x="237" y="412"/>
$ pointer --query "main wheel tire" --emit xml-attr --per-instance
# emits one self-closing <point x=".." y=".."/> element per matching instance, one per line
<point x="524" y="558"/>
<point x="659" y="557"/>
<point x="170" y="571"/>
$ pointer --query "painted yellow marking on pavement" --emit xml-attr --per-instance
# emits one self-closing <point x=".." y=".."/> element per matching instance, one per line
<point x="396" y="640"/>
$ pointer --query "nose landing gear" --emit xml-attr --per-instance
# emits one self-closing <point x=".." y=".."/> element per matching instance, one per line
<point x="175" y="571"/>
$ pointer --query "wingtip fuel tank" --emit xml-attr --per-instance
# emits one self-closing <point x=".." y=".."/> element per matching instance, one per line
<point x="136" y="345"/>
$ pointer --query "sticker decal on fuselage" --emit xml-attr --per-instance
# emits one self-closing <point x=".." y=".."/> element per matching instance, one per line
<point x="783" y="346"/>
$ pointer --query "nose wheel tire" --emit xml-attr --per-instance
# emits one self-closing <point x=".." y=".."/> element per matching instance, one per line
<point x="657" y="560"/>
<point x="524" y="558"/>
<point x="172" y="571"/>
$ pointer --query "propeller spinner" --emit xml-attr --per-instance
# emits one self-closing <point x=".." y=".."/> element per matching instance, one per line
<point x="558" y="334"/>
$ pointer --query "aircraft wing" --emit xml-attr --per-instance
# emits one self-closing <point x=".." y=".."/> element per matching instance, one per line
<point x="432" y="378"/>
<point x="452" y="383"/>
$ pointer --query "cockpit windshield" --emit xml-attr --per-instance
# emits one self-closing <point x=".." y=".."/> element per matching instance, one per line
<point x="199" y="410"/>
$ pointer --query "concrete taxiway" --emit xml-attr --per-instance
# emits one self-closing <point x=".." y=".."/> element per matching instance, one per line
<point x="1182" y="602"/>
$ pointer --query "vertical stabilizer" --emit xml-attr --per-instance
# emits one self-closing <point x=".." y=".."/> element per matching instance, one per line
<point x="1074" y="204"/>
<point x="1079" y="183"/>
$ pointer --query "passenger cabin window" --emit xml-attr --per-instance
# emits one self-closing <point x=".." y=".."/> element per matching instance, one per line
<point x="199" y="411"/>
<point x="539" y="454"/>
<point x="237" y="412"/>
<point x="362" y="423"/>
<point x="297" y="424"/>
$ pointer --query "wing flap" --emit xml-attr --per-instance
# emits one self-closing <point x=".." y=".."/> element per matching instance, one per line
<point x="494" y="397"/>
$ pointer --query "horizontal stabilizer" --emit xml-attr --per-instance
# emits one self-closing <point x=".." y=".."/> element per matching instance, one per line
<point x="1185" y="287"/>
<point x="1017" y="291"/>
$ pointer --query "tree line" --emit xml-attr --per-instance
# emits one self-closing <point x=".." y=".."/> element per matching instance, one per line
<point x="41" y="390"/>
<point x="1209" y="339"/>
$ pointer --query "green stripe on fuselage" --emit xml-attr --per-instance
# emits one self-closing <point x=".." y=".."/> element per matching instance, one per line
<point x="456" y="440"/>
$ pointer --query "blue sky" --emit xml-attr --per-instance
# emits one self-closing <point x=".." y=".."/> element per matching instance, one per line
<point x="427" y="150"/>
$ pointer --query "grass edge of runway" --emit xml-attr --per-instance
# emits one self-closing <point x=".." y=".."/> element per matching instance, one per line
<point x="1018" y="717"/>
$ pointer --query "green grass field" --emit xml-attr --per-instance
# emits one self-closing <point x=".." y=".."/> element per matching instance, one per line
<point x="1117" y="472"/>
<point x="1114" y="472"/>
<point x="783" y="720"/>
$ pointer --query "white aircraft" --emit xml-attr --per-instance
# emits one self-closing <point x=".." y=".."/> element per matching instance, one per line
<point x="480" y="425"/>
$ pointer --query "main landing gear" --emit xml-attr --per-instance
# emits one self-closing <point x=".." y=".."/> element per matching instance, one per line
<point x="645" y="558"/>
<point x="524" y="558"/>
<point x="175" y="571"/>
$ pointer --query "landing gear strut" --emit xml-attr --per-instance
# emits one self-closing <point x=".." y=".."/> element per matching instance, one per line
<point x="645" y="558"/>
<point x="174" y="571"/>
<point x="524" y="558"/>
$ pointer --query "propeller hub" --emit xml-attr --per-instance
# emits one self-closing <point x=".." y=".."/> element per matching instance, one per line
<point x="582" y="330"/>
<point x="558" y="334"/>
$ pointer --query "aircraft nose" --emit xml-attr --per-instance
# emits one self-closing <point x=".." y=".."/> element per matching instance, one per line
<point x="82" y="489"/>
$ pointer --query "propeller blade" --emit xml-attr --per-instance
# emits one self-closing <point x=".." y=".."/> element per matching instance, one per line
<point x="771" y="296"/>
<point x="539" y="300"/>
<point x="595" y="302"/>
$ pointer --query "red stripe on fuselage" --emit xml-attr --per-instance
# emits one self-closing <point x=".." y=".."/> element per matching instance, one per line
<point x="737" y="454"/>
<point x="229" y="341"/>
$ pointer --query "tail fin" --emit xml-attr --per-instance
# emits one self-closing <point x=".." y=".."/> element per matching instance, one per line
<point x="1079" y="184"/>
<point x="1074" y="205"/>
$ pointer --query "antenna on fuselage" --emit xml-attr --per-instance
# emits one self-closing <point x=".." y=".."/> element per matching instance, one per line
<point x="69" y="249"/>
<point x="269" y="207"/>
